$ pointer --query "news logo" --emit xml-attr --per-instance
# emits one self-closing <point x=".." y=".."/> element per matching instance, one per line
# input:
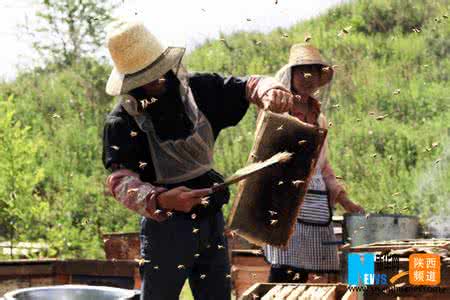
<point x="361" y="268"/>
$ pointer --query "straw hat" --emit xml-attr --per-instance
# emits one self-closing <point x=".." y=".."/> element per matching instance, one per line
<point x="139" y="58"/>
<point x="305" y="54"/>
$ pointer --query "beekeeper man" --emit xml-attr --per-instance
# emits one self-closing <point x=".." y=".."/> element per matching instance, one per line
<point x="158" y="143"/>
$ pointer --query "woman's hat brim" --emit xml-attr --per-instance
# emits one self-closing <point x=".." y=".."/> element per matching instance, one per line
<point x="119" y="83"/>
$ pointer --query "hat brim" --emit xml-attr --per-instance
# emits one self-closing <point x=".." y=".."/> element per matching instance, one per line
<point x="119" y="83"/>
<point x="326" y="76"/>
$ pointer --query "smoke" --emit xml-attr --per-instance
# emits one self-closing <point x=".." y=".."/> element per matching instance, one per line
<point x="439" y="226"/>
<point x="433" y="192"/>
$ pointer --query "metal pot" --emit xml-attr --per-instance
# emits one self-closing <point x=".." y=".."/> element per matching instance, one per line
<point x="71" y="292"/>
<point x="371" y="228"/>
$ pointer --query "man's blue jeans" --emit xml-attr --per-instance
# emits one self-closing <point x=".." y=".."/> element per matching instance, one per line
<point x="184" y="248"/>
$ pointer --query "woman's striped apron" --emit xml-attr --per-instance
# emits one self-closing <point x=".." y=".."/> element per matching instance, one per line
<point x="306" y="249"/>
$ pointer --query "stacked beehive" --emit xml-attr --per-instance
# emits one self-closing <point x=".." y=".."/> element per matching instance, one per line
<point x="272" y="291"/>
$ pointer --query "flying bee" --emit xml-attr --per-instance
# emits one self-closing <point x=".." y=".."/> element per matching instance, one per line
<point x="316" y="277"/>
<point x="257" y="252"/>
<point x="141" y="261"/>
<point x="298" y="183"/>
<point x="115" y="147"/>
<point x="302" y="142"/>
<point x="205" y="201"/>
<point x="347" y="29"/>
<point x="142" y="164"/>
<point x="132" y="191"/>
<point x="145" y="103"/>
<point x="344" y="31"/>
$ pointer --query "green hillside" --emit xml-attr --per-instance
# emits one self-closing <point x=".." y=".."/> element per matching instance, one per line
<point x="389" y="108"/>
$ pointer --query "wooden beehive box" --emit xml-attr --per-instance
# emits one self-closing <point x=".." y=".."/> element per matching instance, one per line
<point x="299" y="291"/>
<point x="24" y="273"/>
<point x="121" y="245"/>
<point x="248" y="267"/>
<point x="266" y="207"/>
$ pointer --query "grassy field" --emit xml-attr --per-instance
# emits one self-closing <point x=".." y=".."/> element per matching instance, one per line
<point x="388" y="108"/>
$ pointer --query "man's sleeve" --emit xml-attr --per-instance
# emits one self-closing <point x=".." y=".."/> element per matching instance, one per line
<point x="124" y="184"/>
<point x="113" y="143"/>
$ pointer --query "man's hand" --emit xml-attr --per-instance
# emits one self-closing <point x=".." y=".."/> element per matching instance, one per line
<point x="181" y="198"/>
<point x="278" y="101"/>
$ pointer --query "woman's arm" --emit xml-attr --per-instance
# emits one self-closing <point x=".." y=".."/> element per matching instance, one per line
<point x="336" y="190"/>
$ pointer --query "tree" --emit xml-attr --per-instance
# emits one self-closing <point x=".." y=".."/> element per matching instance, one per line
<point x="66" y="30"/>
<point x="20" y="206"/>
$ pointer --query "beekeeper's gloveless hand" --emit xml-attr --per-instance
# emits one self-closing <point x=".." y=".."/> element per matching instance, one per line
<point x="269" y="94"/>
<point x="278" y="101"/>
<point x="181" y="198"/>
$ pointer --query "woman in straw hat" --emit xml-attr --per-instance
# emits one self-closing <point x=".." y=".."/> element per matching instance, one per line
<point x="310" y="254"/>
<point x="158" y="143"/>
